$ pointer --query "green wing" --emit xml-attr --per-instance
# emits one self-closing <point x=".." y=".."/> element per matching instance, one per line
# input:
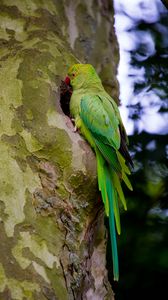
<point x="101" y="118"/>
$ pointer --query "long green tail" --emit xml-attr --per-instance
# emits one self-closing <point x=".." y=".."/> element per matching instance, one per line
<point x="111" y="168"/>
<point x="110" y="200"/>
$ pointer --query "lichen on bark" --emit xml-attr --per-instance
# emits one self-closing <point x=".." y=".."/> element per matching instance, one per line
<point x="51" y="222"/>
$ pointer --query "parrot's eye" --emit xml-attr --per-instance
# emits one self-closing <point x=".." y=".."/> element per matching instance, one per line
<point x="73" y="74"/>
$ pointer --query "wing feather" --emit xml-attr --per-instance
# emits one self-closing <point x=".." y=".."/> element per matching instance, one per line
<point x="99" y="117"/>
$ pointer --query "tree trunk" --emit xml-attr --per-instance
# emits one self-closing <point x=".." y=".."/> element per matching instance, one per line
<point x="53" y="239"/>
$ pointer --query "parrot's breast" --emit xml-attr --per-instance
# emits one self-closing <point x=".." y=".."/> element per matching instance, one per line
<point x="75" y="104"/>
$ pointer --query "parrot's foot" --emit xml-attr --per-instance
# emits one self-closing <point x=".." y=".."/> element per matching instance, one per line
<point x="71" y="124"/>
<point x="75" y="129"/>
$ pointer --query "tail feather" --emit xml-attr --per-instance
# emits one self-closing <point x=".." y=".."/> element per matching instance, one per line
<point x="110" y="186"/>
<point x="109" y="155"/>
<point x="122" y="163"/>
<point x="101" y="180"/>
<point x="111" y="196"/>
<point x="125" y="170"/>
<point x="117" y="184"/>
<point x="127" y="182"/>
<point x="116" y="212"/>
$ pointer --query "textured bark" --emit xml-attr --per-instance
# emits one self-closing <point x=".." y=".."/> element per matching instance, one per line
<point x="53" y="239"/>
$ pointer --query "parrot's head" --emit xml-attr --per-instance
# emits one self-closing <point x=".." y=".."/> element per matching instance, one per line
<point x="81" y="76"/>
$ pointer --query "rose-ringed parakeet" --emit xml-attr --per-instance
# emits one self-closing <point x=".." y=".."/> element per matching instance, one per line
<point x="97" y="117"/>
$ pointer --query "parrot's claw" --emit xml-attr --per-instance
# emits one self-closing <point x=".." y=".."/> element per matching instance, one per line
<point x="75" y="129"/>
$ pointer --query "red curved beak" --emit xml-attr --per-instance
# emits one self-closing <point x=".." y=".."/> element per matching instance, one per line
<point x="67" y="80"/>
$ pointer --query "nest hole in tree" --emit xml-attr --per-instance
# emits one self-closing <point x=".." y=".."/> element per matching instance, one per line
<point x="65" y="95"/>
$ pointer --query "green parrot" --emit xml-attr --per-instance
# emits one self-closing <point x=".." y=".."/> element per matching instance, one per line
<point x="97" y="117"/>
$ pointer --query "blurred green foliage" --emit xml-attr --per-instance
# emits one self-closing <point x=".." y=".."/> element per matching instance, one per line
<point x="143" y="245"/>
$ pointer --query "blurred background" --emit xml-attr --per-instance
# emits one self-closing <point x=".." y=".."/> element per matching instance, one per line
<point x="142" y="31"/>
